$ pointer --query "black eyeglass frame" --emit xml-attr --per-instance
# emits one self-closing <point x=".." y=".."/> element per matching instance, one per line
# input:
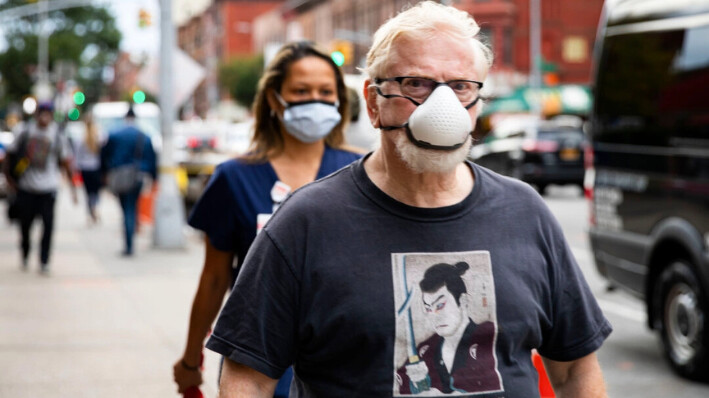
<point x="399" y="79"/>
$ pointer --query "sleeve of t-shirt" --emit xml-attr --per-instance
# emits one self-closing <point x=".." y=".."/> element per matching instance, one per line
<point x="214" y="212"/>
<point x="578" y="324"/>
<point x="257" y="326"/>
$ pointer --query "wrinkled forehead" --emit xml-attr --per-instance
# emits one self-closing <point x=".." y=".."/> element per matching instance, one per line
<point x="416" y="52"/>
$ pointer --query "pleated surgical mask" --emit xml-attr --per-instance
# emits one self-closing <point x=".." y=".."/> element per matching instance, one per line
<point x="309" y="121"/>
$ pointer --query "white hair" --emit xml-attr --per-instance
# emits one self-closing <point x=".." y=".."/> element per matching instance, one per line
<point x="421" y="160"/>
<point x="420" y="22"/>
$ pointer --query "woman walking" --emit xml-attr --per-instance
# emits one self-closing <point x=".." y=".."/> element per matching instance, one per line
<point x="300" y="112"/>
<point x="88" y="161"/>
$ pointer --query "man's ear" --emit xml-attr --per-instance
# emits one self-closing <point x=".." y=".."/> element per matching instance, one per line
<point x="370" y="97"/>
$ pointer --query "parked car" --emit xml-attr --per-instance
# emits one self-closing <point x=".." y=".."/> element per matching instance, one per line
<point x="539" y="152"/>
<point x="201" y="145"/>
<point x="648" y="175"/>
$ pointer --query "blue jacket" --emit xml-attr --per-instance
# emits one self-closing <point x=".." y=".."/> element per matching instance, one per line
<point x="120" y="149"/>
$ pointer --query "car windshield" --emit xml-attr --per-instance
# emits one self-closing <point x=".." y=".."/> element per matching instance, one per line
<point x="560" y="134"/>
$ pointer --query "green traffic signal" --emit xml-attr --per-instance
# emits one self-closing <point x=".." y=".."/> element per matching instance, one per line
<point x="73" y="114"/>
<point x="79" y="98"/>
<point x="338" y="58"/>
<point x="138" y="97"/>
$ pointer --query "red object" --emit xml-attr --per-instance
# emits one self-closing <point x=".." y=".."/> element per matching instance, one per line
<point x="545" y="390"/>
<point x="193" y="392"/>
<point x="145" y="207"/>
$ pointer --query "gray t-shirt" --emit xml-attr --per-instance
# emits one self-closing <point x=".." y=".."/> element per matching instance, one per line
<point x="334" y="284"/>
<point x="43" y="148"/>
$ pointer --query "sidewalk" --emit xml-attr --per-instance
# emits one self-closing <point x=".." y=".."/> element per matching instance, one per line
<point x="99" y="325"/>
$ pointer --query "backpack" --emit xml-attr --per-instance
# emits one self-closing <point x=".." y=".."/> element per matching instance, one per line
<point x="31" y="153"/>
<point x="125" y="178"/>
<point x="18" y="160"/>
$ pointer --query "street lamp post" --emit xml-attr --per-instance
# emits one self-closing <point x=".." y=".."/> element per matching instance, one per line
<point x="535" y="76"/>
<point x="169" y="208"/>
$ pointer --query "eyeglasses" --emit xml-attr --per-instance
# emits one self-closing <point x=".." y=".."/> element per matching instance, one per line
<point x="417" y="89"/>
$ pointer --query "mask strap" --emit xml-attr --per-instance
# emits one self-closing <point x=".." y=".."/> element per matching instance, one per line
<point x="285" y="104"/>
<point x="472" y="103"/>
<point x="280" y="99"/>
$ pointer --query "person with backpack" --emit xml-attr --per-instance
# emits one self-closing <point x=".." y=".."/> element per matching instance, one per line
<point x="126" y="158"/>
<point x="38" y="154"/>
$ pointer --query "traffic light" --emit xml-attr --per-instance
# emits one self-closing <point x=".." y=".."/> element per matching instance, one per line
<point x="342" y="52"/>
<point x="144" y="18"/>
<point x="338" y="58"/>
<point x="79" y="97"/>
<point x="138" y="96"/>
<point x="73" y="114"/>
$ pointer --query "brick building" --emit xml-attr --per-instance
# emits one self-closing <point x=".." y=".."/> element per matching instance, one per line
<point x="222" y="31"/>
<point x="232" y="27"/>
<point x="568" y="31"/>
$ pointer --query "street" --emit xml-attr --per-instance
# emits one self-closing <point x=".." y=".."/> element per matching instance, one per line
<point x="631" y="358"/>
<point x="105" y="326"/>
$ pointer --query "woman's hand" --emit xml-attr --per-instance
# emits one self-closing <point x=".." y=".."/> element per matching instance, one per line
<point x="186" y="377"/>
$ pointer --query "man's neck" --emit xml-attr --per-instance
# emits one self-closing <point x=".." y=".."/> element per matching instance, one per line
<point x="427" y="190"/>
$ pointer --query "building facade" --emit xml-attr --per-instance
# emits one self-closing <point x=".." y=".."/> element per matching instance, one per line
<point x="567" y="34"/>
<point x="222" y="31"/>
<point x="237" y="27"/>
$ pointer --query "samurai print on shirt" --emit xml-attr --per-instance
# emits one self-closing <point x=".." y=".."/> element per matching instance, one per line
<point x="446" y="325"/>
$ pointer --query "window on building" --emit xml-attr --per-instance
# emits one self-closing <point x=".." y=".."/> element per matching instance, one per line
<point x="507" y="46"/>
<point x="574" y="49"/>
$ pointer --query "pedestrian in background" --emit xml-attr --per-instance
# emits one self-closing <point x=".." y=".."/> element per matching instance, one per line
<point x="300" y="111"/>
<point x="88" y="161"/>
<point x="126" y="159"/>
<point x="357" y="271"/>
<point x="41" y="152"/>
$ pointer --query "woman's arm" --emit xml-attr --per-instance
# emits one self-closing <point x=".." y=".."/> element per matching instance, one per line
<point x="213" y="286"/>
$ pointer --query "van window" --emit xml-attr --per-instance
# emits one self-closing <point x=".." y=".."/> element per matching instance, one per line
<point x="650" y="93"/>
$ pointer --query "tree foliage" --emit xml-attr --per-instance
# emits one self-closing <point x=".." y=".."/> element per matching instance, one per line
<point x="240" y="76"/>
<point x="85" y="37"/>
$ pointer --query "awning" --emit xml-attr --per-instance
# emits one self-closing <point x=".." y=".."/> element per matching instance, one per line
<point x="563" y="99"/>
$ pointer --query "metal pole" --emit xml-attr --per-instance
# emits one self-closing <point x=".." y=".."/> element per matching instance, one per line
<point x="535" y="59"/>
<point x="169" y="208"/>
<point x="43" y="90"/>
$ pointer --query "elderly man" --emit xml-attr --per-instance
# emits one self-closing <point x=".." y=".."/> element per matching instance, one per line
<point x="330" y="283"/>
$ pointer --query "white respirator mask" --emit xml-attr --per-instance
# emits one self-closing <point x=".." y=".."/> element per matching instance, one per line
<point x="440" y="122"/>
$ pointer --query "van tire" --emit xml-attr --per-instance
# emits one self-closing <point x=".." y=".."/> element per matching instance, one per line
<point x="684" y="328"/>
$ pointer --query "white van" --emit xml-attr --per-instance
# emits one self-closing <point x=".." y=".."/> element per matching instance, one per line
<point x="111" y="115"/>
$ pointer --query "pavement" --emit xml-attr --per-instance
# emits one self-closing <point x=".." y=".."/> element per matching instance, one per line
<point x="98" y="325"/>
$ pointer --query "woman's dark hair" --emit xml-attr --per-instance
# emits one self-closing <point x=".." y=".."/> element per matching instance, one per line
<point x="267" y="140"/>
<point x="445" y="274"/>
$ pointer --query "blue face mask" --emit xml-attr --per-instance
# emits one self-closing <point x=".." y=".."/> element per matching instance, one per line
<point x="309" y="121"/>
